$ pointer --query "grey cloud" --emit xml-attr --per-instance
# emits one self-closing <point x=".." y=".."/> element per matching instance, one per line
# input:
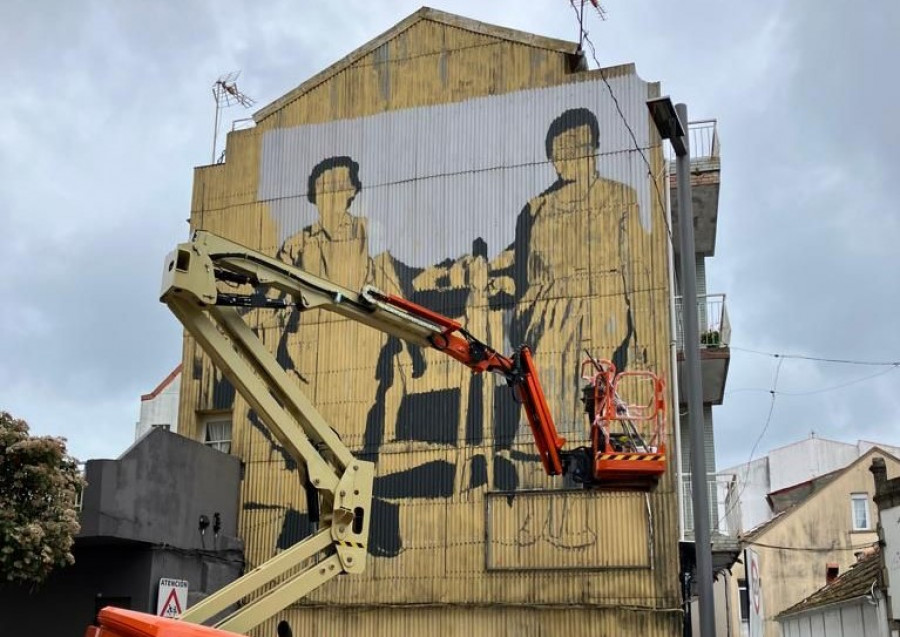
<point x="107" y="108"/>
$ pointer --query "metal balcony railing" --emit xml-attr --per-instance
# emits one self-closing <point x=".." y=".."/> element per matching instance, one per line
<point x="715" y="486"/>
<point x="703" y="136"/>
<point x="704" y="139"/>
<point x="712" y="315"/>
<point x="243" y="123"/>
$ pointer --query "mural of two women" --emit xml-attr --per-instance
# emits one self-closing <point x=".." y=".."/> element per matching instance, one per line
<point x="564" y="285"/>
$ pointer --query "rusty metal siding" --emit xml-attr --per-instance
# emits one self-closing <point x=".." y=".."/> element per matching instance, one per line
<point x="448" y="128"/>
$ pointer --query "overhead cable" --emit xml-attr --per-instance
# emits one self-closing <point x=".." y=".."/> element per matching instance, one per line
<point x="818" y="391"/>
<point x="612" y="94"/>
<point x="821" y="359"/>
<point x="759" y="438"/>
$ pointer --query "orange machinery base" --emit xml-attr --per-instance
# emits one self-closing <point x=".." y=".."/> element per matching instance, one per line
<point x="117" y="622"/>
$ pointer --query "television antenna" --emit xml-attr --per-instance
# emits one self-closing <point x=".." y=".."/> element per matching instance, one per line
<point x="579" y="11"/>
<point x="226" y="94"/>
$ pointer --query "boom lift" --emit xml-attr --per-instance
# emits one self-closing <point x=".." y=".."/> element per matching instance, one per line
<point x="618" y="456"/>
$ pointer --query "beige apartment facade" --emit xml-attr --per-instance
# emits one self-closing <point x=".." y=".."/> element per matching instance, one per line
<point x="823" y="526"/>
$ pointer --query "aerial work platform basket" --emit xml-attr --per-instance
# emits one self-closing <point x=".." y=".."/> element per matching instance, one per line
<point x="628" y="448"/>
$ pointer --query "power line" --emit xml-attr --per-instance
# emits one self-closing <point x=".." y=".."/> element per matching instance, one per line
<point x="841" y="361"/>
<point x="759" y="438"/>
<point x="781" y="357"/>
<point x="817" y="549"/>
<point x="612" y="94"/>
<point x="819" y="391"/>
<point x="421" y="178"/>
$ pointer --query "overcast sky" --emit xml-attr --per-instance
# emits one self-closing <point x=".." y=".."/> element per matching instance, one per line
<point x="105" y="108"/>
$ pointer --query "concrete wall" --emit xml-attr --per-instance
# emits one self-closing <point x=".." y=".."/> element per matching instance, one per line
<point x="863" y="446"/>
<point x="745" y="504"/>
<point x="205" y="571"/>
<point x="807" y="459"/>
<point x="157" y="491"/>
<point x="160" y="407"/>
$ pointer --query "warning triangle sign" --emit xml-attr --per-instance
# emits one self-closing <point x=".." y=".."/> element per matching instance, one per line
<point x="171" y="607"/>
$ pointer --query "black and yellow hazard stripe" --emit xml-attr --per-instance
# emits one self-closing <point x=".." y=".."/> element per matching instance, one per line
<point x="646" y="457"/>
<point x="355" y="545"/>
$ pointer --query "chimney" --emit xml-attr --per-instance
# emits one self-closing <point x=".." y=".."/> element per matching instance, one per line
<point x="831" y="572"/>
<point x="866" y="552"/>
<point x="879" y="470"/>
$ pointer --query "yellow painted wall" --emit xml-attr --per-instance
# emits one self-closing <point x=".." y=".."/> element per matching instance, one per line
<point x="591" y="273"/>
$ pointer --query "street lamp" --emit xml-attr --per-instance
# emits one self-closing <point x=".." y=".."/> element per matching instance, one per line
<point x="668" y="123"/>
<point x="671" y="122"/>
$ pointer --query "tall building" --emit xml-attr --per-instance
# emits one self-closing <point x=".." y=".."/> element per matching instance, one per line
<point x="486" y="174"/>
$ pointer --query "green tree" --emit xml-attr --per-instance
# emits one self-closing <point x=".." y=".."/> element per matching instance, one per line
<point x="38" y="485"/>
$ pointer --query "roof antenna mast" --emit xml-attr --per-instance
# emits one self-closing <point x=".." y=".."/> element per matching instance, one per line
<point x="225" y="93"/>
<point x="579" y="12"/>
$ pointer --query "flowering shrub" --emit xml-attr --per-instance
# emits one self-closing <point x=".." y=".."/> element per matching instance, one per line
<point x="38" y="485"/>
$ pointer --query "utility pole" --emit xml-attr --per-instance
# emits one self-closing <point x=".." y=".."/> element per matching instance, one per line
<point x="672" y="125"/>
<point x="699" y="488"/>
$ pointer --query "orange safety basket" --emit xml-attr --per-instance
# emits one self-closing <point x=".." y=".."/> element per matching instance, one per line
<point x="624" y="456"/>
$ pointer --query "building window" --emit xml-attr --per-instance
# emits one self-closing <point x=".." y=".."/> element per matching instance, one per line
<point x="217" y="433"/>
<point x="860" y="510"/>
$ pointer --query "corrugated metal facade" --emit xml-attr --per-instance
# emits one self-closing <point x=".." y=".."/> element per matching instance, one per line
<point x="469" y="169"/>
<point x="502" y="621"/>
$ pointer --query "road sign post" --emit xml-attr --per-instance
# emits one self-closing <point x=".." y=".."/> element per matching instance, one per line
<point x="754" y="590"/>
<point x="172" y="597"/>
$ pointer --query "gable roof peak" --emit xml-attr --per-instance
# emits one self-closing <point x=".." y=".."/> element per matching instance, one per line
<point x="423" y="14"/>
<point x="754" y="534"/>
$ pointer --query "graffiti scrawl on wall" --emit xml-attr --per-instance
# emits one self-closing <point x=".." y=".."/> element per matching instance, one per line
<point x="529" y="218"/>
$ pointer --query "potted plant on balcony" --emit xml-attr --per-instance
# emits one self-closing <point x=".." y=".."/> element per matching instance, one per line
<point x="710" y="338"/>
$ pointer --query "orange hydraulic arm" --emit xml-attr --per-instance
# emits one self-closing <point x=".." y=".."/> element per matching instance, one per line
<point x="224" y="261"/>
<point x="519" y="371"/>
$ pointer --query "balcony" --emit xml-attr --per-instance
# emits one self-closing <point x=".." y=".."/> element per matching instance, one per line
<point x="717" y="489"/>
<point x="704" y="140"/>
<point x="726" y="547"/>
<point x="715" y="335"/>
